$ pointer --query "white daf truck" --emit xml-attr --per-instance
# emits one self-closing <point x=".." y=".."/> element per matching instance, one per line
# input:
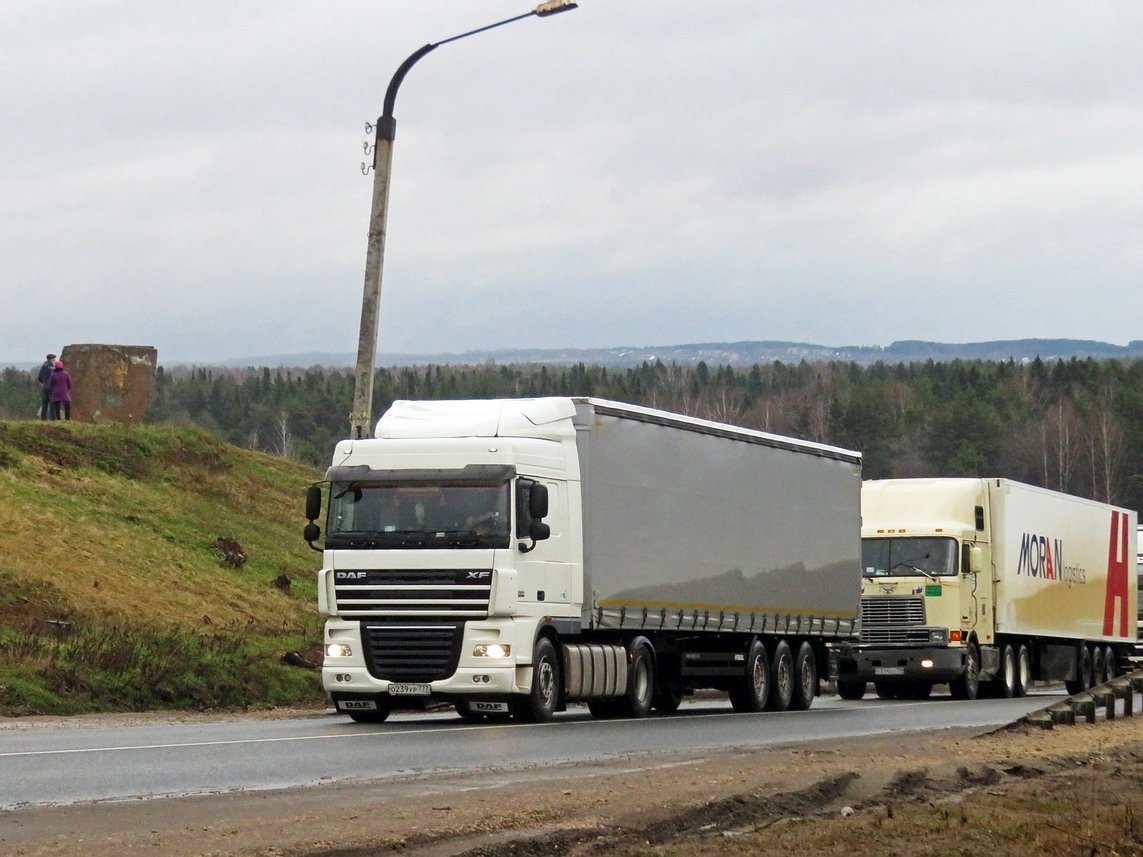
<point x="989" y="584"/>
<point x="513" y="556"/>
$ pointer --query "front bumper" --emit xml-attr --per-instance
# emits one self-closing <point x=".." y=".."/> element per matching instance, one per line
<point x="936" y="665"/>
<point x="459" y="672"/>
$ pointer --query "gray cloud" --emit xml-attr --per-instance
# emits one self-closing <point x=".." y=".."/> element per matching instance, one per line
<point x="634" y="172"/>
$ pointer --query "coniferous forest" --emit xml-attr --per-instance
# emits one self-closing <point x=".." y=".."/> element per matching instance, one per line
<point x="1071" y="425"/>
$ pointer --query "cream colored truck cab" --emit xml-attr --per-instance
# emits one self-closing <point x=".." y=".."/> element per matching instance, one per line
<point x="988" y="583"/>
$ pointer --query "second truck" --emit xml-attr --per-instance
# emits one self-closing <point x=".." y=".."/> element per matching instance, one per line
<point x="988" y="585"/>
<point x="510" y="557"/>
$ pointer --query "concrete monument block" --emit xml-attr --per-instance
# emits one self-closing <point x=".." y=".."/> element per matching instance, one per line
<point x="110" y="383"/>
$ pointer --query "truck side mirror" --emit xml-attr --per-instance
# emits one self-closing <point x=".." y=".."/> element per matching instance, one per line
<point x="531" y="507"/>
<point x="313" y="502"/>
<point x="975" y="559"/>
<point x="312" y="532"/>
<point x="538" y="501"/>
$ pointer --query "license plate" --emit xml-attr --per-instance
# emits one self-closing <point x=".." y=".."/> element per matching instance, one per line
<point x="408" y="690"/>
<point x="888" y="670"/>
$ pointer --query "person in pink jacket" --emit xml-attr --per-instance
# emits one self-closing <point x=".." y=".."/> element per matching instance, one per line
<point x="59" y="391"/>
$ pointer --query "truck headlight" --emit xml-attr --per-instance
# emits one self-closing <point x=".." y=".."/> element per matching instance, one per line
<point x="338" y="650"/>
<point x="938" y="635"/>
<point x="492" y="650"/>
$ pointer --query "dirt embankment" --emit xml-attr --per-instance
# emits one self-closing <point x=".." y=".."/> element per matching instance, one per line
<point x="1068" y="791"/>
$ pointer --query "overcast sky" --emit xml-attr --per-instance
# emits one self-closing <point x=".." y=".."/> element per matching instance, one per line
<point x="633" y="172"/>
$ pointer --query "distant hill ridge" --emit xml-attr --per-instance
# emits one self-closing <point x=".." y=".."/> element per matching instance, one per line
<point x="734" y="354"/>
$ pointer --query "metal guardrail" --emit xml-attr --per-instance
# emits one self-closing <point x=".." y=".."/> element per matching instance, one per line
<point x="1085" y="704"/>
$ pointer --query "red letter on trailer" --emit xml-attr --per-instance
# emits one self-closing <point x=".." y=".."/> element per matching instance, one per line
<point x="1116" y="576"/>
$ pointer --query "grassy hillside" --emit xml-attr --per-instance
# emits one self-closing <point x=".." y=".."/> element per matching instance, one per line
<point x="113" y="593"/>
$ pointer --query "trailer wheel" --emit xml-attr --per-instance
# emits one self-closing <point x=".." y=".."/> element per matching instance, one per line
<point x="850" y="688"/>
<point x="967" y="685"/>
<point x="1082" y="681"/>
<point x="1007" y="678"/>
<point x="539" y="704"/>
<point x="1023" y="670"/>
<point x="1097" y="666"/>
<point x="1110" y="663"/>
<point x="640" y="681"/>
<point x="781" y="678"/>
<point x="805" y="678"/>
<point x="751" y="691"/>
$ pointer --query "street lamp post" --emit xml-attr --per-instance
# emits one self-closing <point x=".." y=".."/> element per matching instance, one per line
<point x="359" y="418"/>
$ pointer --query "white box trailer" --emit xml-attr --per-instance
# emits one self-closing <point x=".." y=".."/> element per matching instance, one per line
<point x="630" y="556"/>
<point x="989" y="583"/>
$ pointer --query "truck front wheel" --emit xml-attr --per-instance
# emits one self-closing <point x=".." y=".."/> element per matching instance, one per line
<point x="968" y="684"/>
<point x="539" y="704"/>
<point x="851" y="688"/>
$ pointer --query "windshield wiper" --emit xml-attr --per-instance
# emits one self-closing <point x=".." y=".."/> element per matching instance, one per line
<point x="916" y="569"/>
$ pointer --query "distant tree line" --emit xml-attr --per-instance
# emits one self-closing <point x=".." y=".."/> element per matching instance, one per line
<point x="1072" y="425"/>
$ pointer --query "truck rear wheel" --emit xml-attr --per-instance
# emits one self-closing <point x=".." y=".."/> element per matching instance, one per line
<point x="1110" y="663"/>
<point x="851" y="688"/>
<point x="805" y="678"/>
<point x="967" y="685"/>
<point x="752" y="691"/>
<point x="1097" y="666"/>
<point x="640" y="681"/>
<point x="1023" y="670"/>
<point x="781" y="678"/>
<point x="539" y="704"/>
<point x="1007" y="678"/>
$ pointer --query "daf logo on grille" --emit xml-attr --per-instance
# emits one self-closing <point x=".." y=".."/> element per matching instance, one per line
<point x="350" y="575"/>
<point x="479" y="575"/>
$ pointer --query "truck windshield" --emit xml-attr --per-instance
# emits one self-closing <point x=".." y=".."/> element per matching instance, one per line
<point x="369" y="515"/>
<point x="905" y="557"/>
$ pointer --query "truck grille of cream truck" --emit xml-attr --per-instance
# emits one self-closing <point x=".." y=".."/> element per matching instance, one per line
<point x="888" y="619"/>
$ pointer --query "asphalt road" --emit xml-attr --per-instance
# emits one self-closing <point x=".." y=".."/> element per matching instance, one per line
<point x="45" y="767"/>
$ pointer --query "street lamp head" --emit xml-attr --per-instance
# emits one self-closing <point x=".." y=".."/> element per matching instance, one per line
<point x="554" y="7"/>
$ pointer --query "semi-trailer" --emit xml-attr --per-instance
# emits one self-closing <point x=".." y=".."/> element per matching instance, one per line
<point x="989" y="584"/>
<point x="512" y="556"/>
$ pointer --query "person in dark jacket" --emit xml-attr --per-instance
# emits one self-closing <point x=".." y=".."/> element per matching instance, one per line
<point x="45" y="391"/>
<point x="60" y="387"/>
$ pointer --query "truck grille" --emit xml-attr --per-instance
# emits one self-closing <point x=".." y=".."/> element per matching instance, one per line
<point x="891" y="610"/>
<point x="411" y="653"/>
<point x="446" y="593"/>
<point x="884" y="636"/>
